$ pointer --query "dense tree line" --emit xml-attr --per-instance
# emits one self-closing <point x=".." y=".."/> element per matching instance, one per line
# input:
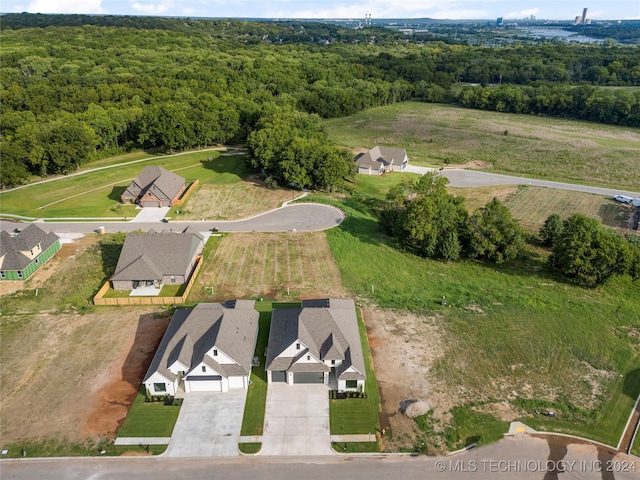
<point x="618" y="107"/>
<point x="291" y="148"/>
<point x="586" y="252"/>
<point x="77" y="88"/>
<point x="430" y="222"/>
<point x="427" y="220"/>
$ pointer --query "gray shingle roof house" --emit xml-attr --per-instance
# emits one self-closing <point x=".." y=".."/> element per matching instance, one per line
<point x="23" y="253"/>
<point x="154" y="187"/>
<point x="317" y="343"/>
<point x="379" y="160"/>
<point x="208" y="348"/>
<point x="156" y="258"/>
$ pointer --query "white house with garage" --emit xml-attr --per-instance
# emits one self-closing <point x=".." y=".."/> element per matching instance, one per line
<point x="208" y="348"/>
<point x="317" y="343"/>
<point x="379" y="160"/>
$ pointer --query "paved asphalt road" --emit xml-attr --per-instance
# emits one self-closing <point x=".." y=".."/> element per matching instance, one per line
<point x="474" y="178"/>
<point x="513" y="458"/>
<point x="302" y="217"/>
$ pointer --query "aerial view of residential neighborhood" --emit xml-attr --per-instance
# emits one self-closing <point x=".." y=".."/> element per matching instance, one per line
<point x="316" y="239"/>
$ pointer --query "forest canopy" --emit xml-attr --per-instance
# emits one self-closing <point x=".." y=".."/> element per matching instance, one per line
<point x="77" y="88"/>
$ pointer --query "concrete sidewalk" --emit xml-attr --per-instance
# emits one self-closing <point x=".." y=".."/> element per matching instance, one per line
<point x="142" y="441"/>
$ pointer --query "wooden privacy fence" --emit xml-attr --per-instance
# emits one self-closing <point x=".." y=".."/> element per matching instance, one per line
<point x="100" y="300"/>
<point x="185" y="195"/>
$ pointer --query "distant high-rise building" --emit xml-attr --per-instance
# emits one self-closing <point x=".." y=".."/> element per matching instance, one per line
<point x="499" y="22"/>
<point x="582" y="20"/>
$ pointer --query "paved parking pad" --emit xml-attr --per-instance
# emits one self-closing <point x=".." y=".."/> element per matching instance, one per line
<point x="296" y="420"/>
<point x="208" y="425"/>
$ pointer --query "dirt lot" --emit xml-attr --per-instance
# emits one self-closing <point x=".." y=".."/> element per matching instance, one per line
<point x="234" y="201"/>
<point x="74" y="376"/>
<point x="68" y="375"/>
<point x="404" y="347"/>
<point x="278" y="266"/>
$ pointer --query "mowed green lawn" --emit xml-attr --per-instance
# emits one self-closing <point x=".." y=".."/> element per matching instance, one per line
<point x="549" y="148"/>
<point x="358" y="415"/>
<point x="96" y="194"/>
<point x="149" y="419"/>
<point x="514" y="328"/>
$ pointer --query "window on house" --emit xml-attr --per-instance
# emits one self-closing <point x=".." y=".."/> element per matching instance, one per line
<point x="3" y="275"/>
<point x="215" y="352"/>
<point x="297" y="346"/>
<point x="333" y="362"/>
<point x="352" y="384"/>
<point x="159" y="387"/>
<point x="173" y="279"/>
<point x="308" y="357"/>
<point x="19" y="274"/>
<point x="204" y="369"/>
<point x="37" y="260"/>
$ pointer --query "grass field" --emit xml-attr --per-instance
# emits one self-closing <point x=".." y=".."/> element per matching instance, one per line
<point x="532" y="205"/>
<point x="230" y="201"/>
<point x="277" y="266"/>
<point x="515" y="330"/>
<point x="96" y="194"/>
<point x="358" y="415"/>
<point x="548" y="148"/>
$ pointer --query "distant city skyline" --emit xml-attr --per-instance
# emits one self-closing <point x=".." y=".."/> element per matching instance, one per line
<point x="328" y="9"/>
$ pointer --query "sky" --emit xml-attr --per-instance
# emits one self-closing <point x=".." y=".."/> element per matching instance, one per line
<point x="439" y="9"/>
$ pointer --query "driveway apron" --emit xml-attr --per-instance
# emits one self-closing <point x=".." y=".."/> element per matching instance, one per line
<point x="296" y="420"/>
<point x="208" y="425"/>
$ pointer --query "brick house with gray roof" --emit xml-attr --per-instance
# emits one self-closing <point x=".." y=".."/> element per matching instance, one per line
<point x="154" y="187"/>
<point x="208" y="348"/>
<point x="317" y="343"/>
<point x="379" y="160"/>
<point x="23" y="253"/>
<point x="154" y="259"/>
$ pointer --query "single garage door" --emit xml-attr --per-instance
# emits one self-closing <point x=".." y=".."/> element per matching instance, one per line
<point x="150" y="204"/>
<point x="278" y="376"/>
<point x="308" y="377"/>
<point x="204" y="383"/>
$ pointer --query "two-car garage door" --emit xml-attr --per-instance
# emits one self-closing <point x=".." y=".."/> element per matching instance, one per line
<point x="204" y="383"/>
<point x="308" y="377"/>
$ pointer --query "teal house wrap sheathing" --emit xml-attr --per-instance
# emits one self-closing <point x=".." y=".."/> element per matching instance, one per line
<point x="23" y="253"/>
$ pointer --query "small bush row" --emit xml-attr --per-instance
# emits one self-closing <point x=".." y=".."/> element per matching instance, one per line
<point x="336" y="395"/>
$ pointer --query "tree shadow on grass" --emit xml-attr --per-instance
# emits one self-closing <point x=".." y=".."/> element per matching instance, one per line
<point x="110" y="253"/>
<point x="631" y="386"/>
<point x="116" y="193"/>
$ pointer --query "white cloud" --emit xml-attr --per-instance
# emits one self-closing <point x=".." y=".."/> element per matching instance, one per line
<point x="153" y="8"/>
<point x="523" y="13"/>
<point x="65" y="6"/>
<point x="353" y="9"/>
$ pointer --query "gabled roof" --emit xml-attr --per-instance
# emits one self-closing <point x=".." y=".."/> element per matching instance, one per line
<point x="149" y="256"/>
<point x="378" y="156"/>
<point x="194" y="332"/>
<point x="11" y="246"/>
<point x="161" y="182"/>
<point x="327" y="327"/>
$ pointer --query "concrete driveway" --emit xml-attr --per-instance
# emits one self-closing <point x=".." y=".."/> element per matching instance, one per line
<point x="296" y="420"/>
<point x="151" y="214"/>
<point x="208" y="425"/>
